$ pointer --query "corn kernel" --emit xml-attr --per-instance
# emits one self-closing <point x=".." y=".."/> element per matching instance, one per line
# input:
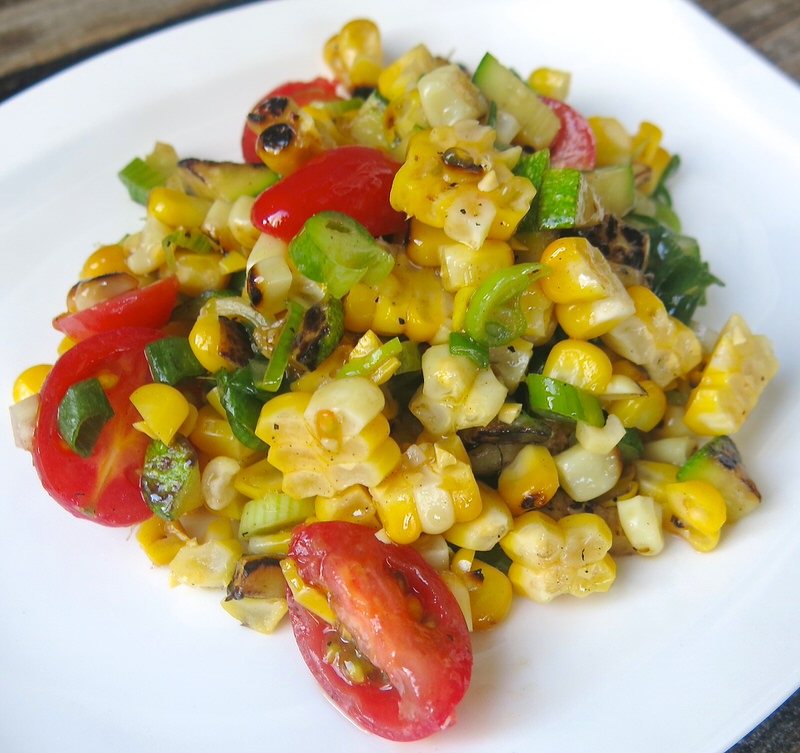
<point x="163" y="408"/>
<point x="579" y="363"/>
<point x="530" y="480"/>
<point x="30" y="381"/>
<point x="105" y="260"/>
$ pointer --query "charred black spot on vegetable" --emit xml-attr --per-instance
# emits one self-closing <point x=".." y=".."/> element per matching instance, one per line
<point x="276" y="138"/>
<point x="253" y="286"/>
<point x="234" y="345"/>
<point x="460" y="159"/>
<point x="270" y="108"/>
<point x="320" y="333"/>
<point x="255" y="577"/>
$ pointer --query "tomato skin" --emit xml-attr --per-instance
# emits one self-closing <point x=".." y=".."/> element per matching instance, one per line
<point x="354" y="180"/>
<point x="87" y="487"/>
<point x="150" y="306"/>
<point x="574" y="145"/>
<point x="427" y="666"/>
<point x="302" y="92"/>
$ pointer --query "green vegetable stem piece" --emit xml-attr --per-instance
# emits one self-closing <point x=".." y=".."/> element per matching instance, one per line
<point x="553" y="398"/>
<point x="368" y="363"/>
<point x="83" y="412"/>
<point x="334" y="249"/>
<point x="276" y="369"/>
<point x="461" y="344"/>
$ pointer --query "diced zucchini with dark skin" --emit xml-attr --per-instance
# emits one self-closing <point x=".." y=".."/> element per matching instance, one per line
<point x="234" y="343"/>
<point x="321" y="332"/>
<point x="170" y="482"/>
<point x="720" y="464"/>
<point x="257" y="593"/>
<point x="224" y="180"/>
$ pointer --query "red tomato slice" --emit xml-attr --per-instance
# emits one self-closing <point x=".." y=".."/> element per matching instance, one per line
<point x="424" y="657"/>
<point x="574" y="145"/>
<point x="303" y="93"/>
<point x="354" y="180"/>
<point x="150" y="306"/>
<point x="105" y="486"/>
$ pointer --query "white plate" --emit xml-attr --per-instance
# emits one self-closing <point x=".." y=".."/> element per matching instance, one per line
<point x="687" y="652"/>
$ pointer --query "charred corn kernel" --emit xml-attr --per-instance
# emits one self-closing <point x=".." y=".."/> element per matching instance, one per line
<point x="106" y="260"/>
<point x="695" y="511"/>
<point x="579" y="363"/>
<point x="30" y="381"/>
<point x="329" y="440"/>
<point x="218" y="342"/>
<point x="640" y="518"/>
<point x="455" y="179"/>
<point x="160" y="539"/>
<point x="410" y="302"/>
<point x="643" y="412"/>
<point x="654" y="340"/>
<point x="198" y="273"/>
<point x="613" y="142"/>
<point x="430" y="490"/>
<point x="207" y="565"/>
<point x="269" y="275"/>
<point x="176" y="209"/>
<point x="217" y="482"/>
<point x="354" y="505"/>
<point x="490" y="590"/>
<point x="162" y="407"/>
<point x="739" y="368"/>
<point x="530" y="480"/>
<point x="590" y="299"/>
<point x="486" y="529"/>
<point x="402" y="75"/>
<point x="462" y="266"/>
<point x="551" y="558"/>
<point x="312" y="599"/>
<point x="213" y="436"/>
<point x="424" y="243"/>
<point x="550" y="82"/>
<point x="258" y="479"/>
<point x="584" y="475"/>
<point x="455" y="393"/>
<point x="539" y="313"/>
<point x="355" y="54"/>
<point x="600" y="440"/>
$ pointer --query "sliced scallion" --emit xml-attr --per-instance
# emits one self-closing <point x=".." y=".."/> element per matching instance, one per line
<point x="276" y="369"/>
<point x="553" y="398"/>
<point x="367" y="364"/>
<point x="83" y="412"/>
<point x="140" y="177"/>
<point x="461" y="344"/>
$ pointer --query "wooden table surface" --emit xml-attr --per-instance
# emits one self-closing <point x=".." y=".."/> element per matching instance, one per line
<point x="40" y="37"/>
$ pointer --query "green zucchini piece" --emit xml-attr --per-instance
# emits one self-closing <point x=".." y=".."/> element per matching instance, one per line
<point x="321" y="331"/>
<point x="171" y="360"/>
<point x="171" y="478"/>
<point x="538" y="123"/>
<point x="273" y="513"/>
<point x="225" y="180"/>
<point x="719" y="463"/>
<point x="566" y="200"/>
<point x="614" y="187"/>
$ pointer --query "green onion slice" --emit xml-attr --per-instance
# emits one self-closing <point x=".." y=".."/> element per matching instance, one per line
<point x="82" y="413"/>
<point x="171" y="360"/>
<point x="494" y="316"/>
<point x="273" y="376"/>
<point x="461" y="344"/>
<point x="553" y="398"/>
<point x="370" y="362"/>
<point x="334" y="249"/>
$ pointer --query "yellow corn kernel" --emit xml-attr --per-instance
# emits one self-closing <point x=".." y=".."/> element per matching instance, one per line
<point x="530" y="480"/>
<point x="490" y="590"/>
<point x="355" y="54"/>
<point x="550" y="82"/>
<point x="462" y="266"/>
<point x="643" y="413"/>
<point x="484" y="531"/>
<point x="232" y="262"/>
<point x="665" y="347"/>
<point x="65" y="344"/>
<point x="579" y="363"/>
<point x="738" y="370"/>
<point x="354" y="505"/>
<point x="653" y="477"/>
<point x="213" y="436"/>
<point x="216" y="342"/>
<point x="30" y="381"/>
<point x="402" y="74"/>
<point x="207" y="565"/>
<point x="613" y="143"/>
<point x="163" y="409"/>
<point x="160" y="539"/>
<point x="424" y="243"/>
<point x="641" y="521"/>
<point x="217" y="482"/>
<point x="106" y="260"/>
<point x="176" y="209"/>
<point x="197" y="273"/>
<point x="307" y="596"/>
<point x="552" y="558"/>
<point x="539" y="313"/>
<point x="695" y="511"/>
<point x="460" y="304"/>
<point x="647" y="151"/>
<point x="258" y="479"/>
<point x="585" y="475"/>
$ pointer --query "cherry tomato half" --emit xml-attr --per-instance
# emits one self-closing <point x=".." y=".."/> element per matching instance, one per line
<point x="399" y="614"/>
<point x="105" y="486"/>
<point x="150" y="306"/>
<point x="303" y="93"/>
<point x="574" y="145"/>
<point x="354" y="180"/>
